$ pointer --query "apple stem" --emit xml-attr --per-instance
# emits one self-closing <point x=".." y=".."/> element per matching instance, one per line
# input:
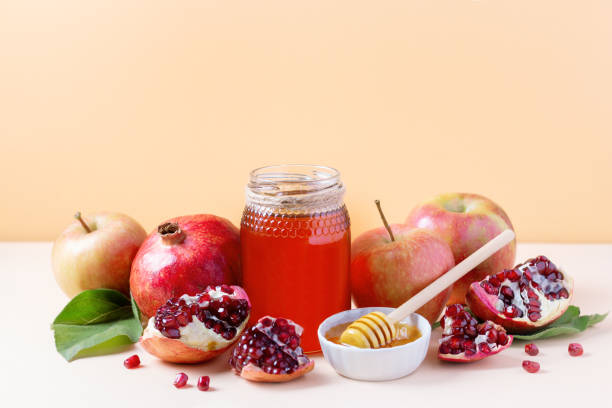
<point x="384" y="220"/>
<point x="83" y="223"/>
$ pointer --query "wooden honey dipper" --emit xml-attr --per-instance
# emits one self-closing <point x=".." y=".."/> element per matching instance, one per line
<point x="376" y="329"/>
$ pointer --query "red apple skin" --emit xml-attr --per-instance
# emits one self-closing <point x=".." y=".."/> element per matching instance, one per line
<point x="466" y="222"/>
<point x="99" y="259"/>
<point x="209" y="255"/>
<point x="387" y="273"/>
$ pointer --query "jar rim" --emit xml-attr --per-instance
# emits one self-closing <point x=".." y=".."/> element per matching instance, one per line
<point x="293" y="173"/>
<point x="293" y="179"/>
<point x="295" y="185"/>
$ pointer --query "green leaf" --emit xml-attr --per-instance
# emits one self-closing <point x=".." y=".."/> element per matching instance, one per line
<point x="95" y="306"/>
<point x="136" y="310"/>
<point x="595" y="318"/>
<point x="570" y="314"/>
<point x="569" y="323"/>
<point x="94" y="321"/>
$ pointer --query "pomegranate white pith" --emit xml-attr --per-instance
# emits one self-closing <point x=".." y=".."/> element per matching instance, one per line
<point x="522" y="299"/>
<point x="192" y="329"/>
<point x="270" y="351"/>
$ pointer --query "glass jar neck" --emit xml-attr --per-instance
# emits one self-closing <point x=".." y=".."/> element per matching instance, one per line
<point x="295" y="188"/>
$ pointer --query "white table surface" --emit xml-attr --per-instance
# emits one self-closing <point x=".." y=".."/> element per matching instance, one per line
<point x="34" y="374"/>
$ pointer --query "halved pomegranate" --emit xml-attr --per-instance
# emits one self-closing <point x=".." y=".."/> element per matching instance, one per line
<point x="522" y="299"/>
<point x="465" y="340"/>
<point x="192" y="329"/>
<point x="270" y="352"/>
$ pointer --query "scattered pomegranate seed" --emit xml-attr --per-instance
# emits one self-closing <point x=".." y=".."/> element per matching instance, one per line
<point x="132" y="362"/>
<point x="204" y="383"/>
<point x="531" y="366"/>
<point x="180" y="380"/>
<point x="531" y="349"/>
<point x="575" y="349"/>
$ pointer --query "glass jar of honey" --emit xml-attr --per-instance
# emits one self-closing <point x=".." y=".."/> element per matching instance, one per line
<point x="295" y="239"/>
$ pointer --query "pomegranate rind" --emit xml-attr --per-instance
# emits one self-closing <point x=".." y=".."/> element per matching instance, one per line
<point x="174" y="351"/>
<point x="253" y="373"/>
<point x="462" y="358"/>
<point x="482" y="305"/>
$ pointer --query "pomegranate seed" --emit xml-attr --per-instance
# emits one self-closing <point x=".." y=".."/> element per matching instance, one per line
<point x="172" y="333"/>
<point x="456" y="342"/>
<point x="132" y="361"/>
<point x="484" y="348"/>
<point x="204" y="383"/>
<point x="453" y="310"/>
<point x="531" y="366"/>
<point x="492" y="336"/>
<point x="512" y="275"/>
<point x="575" y="349"/>
<point x="501" y="276"/>
<point x="507" y="292"/>
<point x="227" y="289"/>
<point x="180" y="380"/>
<point x="490" y="289"/>
<point x="563" y="293"/>
<point x="502" y="338"/>
<point x="170" y="322"/>
<point x="511" y="311"/>
<point x="494" y="281"/>
<point x="531" y="349"/>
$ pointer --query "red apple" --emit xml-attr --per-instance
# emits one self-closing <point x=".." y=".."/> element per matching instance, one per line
<point x="466" y="222"/>
<point x="96" y="252"/>
<point x="388" y="270"/>
<point x="184" y="256"/>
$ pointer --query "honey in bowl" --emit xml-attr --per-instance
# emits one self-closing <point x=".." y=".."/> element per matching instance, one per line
<point x="405" y="334"/>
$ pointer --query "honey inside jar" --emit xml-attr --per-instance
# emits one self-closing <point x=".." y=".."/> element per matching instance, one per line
<point x="405" y="334"/>
<point x="296" y="246"/>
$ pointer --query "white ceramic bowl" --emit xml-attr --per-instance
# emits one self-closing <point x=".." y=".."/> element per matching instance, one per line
<point x="374" y="364"/>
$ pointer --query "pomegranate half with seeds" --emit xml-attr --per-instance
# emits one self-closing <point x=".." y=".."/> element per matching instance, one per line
<point x="270" y="352"/>
<point x="523" y="299"/>
<point x="465" y="340"/>
<point x="192" y="329"/>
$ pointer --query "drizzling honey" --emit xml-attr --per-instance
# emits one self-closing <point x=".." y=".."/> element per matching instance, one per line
<point x="405" y="334"/>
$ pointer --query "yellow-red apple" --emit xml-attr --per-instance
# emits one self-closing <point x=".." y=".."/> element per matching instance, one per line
<point x="96" y="252"/>
<point x="466" y="222"/>
<point x="391" y="264"/>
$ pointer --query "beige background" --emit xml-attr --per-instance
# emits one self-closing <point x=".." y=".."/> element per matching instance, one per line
<point x="160" y="108"/>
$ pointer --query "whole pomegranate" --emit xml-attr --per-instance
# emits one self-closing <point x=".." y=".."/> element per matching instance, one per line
<point x="270" y="352"/>
<point x="465" y="340"/>
<point x="523" y="299"/>
<point x="184" y="256"/>
<point x="192" y="329"/>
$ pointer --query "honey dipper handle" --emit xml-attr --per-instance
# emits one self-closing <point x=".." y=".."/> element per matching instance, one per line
<point x="450" y="277"/>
